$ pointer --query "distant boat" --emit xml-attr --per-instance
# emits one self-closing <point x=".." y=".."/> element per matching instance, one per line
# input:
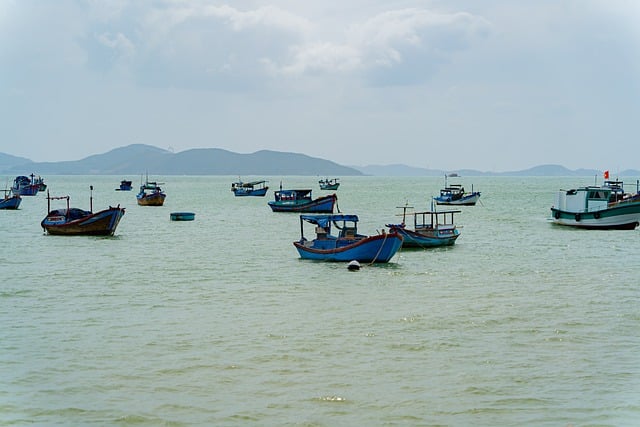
<point x="253" y="188"/>
<point x="329" y="184"/>
<point x="347" y="245"/>
<point x="151" y="194"/>
<point x="39" y="182"/>
<point x="75" y="222"/>
<point x="454" y="194"/>
<point x="430" y="229"/>
<point x="597" y="207"/>
<point x="125" y="185"/>
<point x="25" y="186"/>
<point x="10" y="200"/>
<point x="301" y="201"/>
<point x="182" y="216"/>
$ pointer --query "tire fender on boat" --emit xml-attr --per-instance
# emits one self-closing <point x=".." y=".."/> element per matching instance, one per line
<point x="596" y="215"/>
<point x="578" y="217"/>
<point x="556" y="215"/>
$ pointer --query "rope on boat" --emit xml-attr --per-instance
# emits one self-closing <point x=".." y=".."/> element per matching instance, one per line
<point x="380" y="249"/>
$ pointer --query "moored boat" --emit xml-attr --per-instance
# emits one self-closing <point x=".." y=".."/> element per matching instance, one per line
<point x="329" y="184"/>
<point x="301" y="201"/>
<point x="25" y="186"/>
<point x="78" y="222"/>
<point x="596" y="207"/>
<point x="253" y="188"/>
<point x="182" y="216"/>
<point x="10" y="200"/>
<point x="151" y="194"/>
<point x="348" y="245"/>
<point x="125" y="185"/>
<point x="430" y="229"/>
<point x="455" y="194"/>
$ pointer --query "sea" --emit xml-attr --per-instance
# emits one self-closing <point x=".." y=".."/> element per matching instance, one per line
<point x="218" y="322"/>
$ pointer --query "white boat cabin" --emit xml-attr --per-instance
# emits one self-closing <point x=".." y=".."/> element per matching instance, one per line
<point x="585" y="199"/>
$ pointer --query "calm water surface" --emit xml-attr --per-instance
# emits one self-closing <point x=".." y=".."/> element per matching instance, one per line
<point x="218" y="322"/>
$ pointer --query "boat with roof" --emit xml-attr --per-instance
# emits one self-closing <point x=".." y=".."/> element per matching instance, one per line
<point x="253" y="188"/>
<point x="301" y="200"/>
<point x="10" y="200"/>
<point x="430" y="228"/>
<point x="151" y="194"/>
<point x="26" y="185"/>
<point x="329" y="184"/>
<point x="455" y="194"/>
<point x="337" y="239"/>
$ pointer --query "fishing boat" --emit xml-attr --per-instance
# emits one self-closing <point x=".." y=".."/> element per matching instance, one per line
<point x="182" y="216"/>
<point x="253" y="188"/>
<point x="347" y="245"/>
<point x="25" y="186"/>
<point x="301" y="201"/>
<point x="455" y="194"/>
<point x="430" y="229"/>
<point x="329" y="184"/>
<point x="151" y="194"/>
<point x="10" y="200"/>
<point x="597" y="207"/>
<point x="76" y="222"/>
<point x="125" y="185"/>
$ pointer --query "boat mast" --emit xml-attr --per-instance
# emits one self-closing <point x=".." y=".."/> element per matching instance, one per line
<point x="91" y="198"/>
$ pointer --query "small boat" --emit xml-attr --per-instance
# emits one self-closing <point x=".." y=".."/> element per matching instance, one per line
<point x="151" y="194"/>
<point x="253" y="188"/>
<point x="25" y="186"/>
<point x="301" y="201"/>
<point x="430" y="229"/>
<point x="39" y="182"/>
<point x="329" y="184"/>
<point x="10" y="200"/>
<point x="125" y="185"/>
<point x="348" y="245"/>
<point x="78" y="222"/>
<point x="597" y="207"/>
<point x="182" y="216"/>
<point x="454" y="194"/>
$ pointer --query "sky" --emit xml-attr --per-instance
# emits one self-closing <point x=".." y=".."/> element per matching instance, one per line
<point x="487" y="85"/>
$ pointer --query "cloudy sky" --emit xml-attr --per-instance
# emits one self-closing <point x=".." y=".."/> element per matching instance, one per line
<point x="488" y="85"/>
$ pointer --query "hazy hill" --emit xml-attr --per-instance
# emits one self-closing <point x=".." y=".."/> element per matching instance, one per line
<point x="542" y="170"/>
<point x="138" y="158"/>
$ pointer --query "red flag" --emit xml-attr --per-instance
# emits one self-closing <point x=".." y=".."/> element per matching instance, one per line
<point x="606" y="174"/>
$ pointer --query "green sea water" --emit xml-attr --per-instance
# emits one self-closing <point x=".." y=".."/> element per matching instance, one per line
<point x="217" y="322"/>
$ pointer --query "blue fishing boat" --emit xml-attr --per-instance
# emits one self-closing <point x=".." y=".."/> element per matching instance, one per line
<point x="348" y="244"/>
<point x="253" y="188"/>
<point x="301" y="201"/>
<point x="10" y="200"/>
<point x="329" y="184"/>
<point x="78" y="222"/>
<point x="125" y="185"/>
<point x="25" y="186"/>
<point x="430" y="229"/>
<point x="455" y="194"/>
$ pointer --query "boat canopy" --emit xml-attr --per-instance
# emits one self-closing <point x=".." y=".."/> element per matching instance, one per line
<point x="325" y="220"/>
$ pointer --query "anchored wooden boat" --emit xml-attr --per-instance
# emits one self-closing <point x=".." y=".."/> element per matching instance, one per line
<point x="125" y="185"/>
<point x="10" y="200"/>
<point x="301" y="201"/>
<point x="25" y="185"/>
<point x="430" y="229"/>
<point x="597" y="207"/>
<point x="348" y="244"/>
<point x="253" y="188"/>
<point x="151" y="194"/>
<point x="455" y="194"/>
<point x="75" y="222"/>
<point x="329" y="184"/>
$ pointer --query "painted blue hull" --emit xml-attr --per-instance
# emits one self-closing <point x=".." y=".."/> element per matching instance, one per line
<point x="239" y="192"/>
<point x="412" y="239"/>
<point x="379" y="248"/>
<point x="10" y="202"/>
<point x="469" y="200"/>
<point x="323" y="204"/>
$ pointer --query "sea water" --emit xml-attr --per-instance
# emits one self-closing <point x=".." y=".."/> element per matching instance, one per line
<point x="217" y="321"/>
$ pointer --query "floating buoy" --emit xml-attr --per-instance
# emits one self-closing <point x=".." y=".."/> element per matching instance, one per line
<point x="353" y="265"/>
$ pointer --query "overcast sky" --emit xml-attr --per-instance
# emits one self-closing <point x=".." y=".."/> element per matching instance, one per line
<point x="487" y="85"/>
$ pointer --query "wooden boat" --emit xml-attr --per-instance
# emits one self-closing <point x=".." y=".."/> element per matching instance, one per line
<point x="125" y="185"/>
<point x="182" y="216"/>
<point x="75" y="222"/>
<point x="597" y="207"/>
<point x="301" y="201"/>
<point x="253" y="188"/>
<point x="10" y="200"/>
<point x="347" y="245"/>
<point x="454" y="194"/>
<point x="329" y="184"/>
<point x="430" y="229"/>
<point x="151" y="194"/>
<point x="25" y="186"/>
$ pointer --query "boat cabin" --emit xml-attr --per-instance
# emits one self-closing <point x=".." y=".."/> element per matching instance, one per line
<point x="292" y="195"/>
<point x="585" y="199"/>
<point x="345" y="226"/>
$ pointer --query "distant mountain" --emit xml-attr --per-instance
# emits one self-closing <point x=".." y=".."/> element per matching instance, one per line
<point x="7" y="161"/>
<point x="138" y="158"/>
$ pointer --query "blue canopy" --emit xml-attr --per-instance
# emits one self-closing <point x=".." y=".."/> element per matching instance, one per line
<point x="325" y="220"/>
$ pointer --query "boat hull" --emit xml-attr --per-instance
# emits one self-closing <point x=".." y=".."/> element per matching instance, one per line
<point x="380" y="248"/>
<point x="469" y="200"/>
<point x="155" y="199"/>
<point x="182" y="216"/>
<point x="101" y="223"/>
<point x="239" y="192"/>
<point x="329" y="187"/>
<point x="413" y="239"/>
<point x="323" y="204"/>
<point x="624" y="216"/>
<point x="12" y="202"/>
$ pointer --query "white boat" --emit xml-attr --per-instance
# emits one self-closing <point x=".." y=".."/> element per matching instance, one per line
<point x="454" y="194"/>
<point x="597" y="207"/>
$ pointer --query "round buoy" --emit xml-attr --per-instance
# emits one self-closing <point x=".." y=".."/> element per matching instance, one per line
<point x="354" y="266"/>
